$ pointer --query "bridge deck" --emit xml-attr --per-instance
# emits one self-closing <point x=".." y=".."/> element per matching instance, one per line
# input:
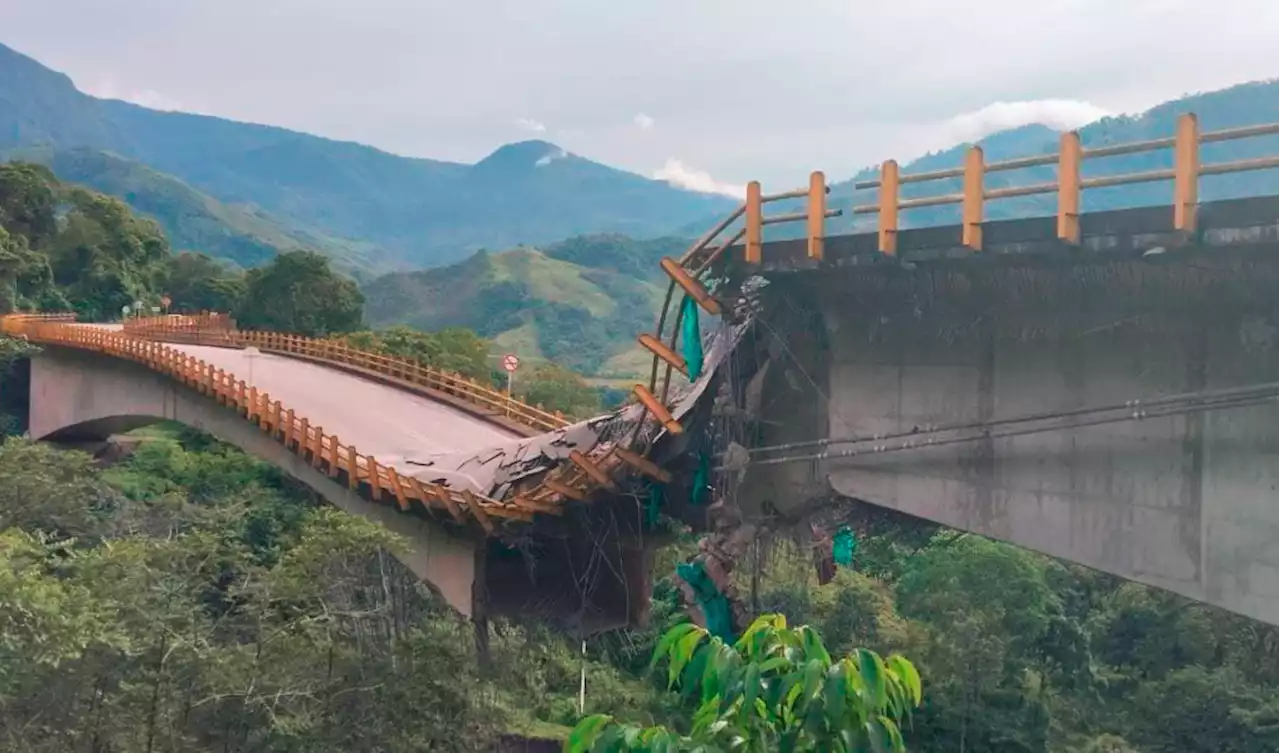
<point x="395" y="425"/>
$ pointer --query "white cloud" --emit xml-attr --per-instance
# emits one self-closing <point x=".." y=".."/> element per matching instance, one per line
<point x="645" y="122"/>
<point x="679" y="174"/>
<point x="528" y="124"/>
<point x="109" y="88"/>
<point x="550" y="157"/>
<point x="1060" y="114"/>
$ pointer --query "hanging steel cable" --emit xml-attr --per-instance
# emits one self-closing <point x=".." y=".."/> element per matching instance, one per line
<point x="934" y="436"/>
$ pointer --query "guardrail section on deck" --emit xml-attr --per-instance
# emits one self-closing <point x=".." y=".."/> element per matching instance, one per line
<point x="325" y="452"/>
<point x="219" y="330"/>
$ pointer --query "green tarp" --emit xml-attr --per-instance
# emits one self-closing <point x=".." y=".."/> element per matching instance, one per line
<point x="691" y="338"/>
<point x="654" y="507"/>
<point x="701" y="480"/>
<point x="715" y="607"/>
<point x="843" y="547"/>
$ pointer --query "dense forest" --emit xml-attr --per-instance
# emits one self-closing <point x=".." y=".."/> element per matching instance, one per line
<point x="190" y="598"/>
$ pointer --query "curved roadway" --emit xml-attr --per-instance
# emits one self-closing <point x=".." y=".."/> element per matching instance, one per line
<point x="390" y="423"/>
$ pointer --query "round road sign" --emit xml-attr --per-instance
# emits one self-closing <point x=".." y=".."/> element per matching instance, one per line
<point x="510" y="362"/>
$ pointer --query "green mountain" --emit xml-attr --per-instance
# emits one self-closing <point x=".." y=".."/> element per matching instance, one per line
<point x="579" y="303"/>
<point x="419" y="212"/>
<point x="194" y="220"/>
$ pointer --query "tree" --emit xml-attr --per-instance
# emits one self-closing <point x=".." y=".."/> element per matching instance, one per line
<point x="454" y="350"/>
<point x="199" y="283"/>
<point x="775" y="689"/>
<point x="987" y="607"/>
<point x="106" y="257"/>
<point x="26" y="280"/>
<point x="28" y="202"/>
<point x="556" y="388"/>
<point x="298" y="293"/>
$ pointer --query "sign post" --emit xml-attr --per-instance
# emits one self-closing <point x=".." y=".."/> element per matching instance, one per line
<point x="510" y="362"/>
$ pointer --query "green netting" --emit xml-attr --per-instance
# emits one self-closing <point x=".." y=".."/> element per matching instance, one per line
<point x="691" y="338"/>
<point x="843" y="547"/>
<point x="713" y="603"/>
<point x="653" y="508"/>
<point x="701" y="479"/>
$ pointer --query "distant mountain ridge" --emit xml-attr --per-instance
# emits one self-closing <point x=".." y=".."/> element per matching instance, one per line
<point x="416" y="212"/>
<point x="579" y="302"/>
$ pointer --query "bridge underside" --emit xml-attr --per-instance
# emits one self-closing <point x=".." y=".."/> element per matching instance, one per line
<point x="1185" y="501"/>
<point x="590" y="565"/>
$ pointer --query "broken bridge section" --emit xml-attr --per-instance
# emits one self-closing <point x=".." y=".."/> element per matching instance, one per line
<point x="1112" y="404"/>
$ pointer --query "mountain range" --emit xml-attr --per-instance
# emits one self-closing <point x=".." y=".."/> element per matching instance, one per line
<point x="241" y="190"/>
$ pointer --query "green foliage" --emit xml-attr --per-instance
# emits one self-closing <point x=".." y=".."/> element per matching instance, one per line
<point x="554" y="304"/>
<point x="28" y="203"/>
<point x="63" y="246"/>
<point x="193" y="220"/>
<point x="207" y="603"/>
<point x="556" y="388"/>
<point x="298" y="293"/>
<point x="454" y="350"/>
<point x="104" y="257"/>
<point x="43" y="490"/>
<point x="776" y="688"/>
<point x="199" y="283"/>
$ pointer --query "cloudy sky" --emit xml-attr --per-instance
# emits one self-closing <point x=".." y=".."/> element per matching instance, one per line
<point x="708" y="93"/>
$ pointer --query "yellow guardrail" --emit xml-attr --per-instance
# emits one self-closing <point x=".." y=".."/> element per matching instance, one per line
<point x="325" y="452"/>
<point x="219" y="330"/>
<point x="1069" y="185"/>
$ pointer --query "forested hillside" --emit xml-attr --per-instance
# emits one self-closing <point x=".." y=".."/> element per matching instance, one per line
<point x="190" y="598"/>
<point x="579" y="302"/>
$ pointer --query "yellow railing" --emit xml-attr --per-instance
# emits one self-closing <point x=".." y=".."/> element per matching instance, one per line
<point x="325" y="452"/>
<point x="1185" y="175"/>
<point x="575" y="478"/>
<point x="219" y="330"/>
<point x="973" y="196"/>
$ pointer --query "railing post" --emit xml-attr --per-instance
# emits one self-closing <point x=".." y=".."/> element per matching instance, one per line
<point x="888" y="214"/>
<point x="1069" y="156"/>
<point x="971" y="235"/>
<point x="755" y="226"/>
<point x="817" y="214"/>
<point x="375" y="488"/>
<point x="1186" y="173"/>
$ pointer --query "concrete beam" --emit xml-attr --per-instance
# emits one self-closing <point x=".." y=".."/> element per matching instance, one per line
<point x="1185" y="503"/>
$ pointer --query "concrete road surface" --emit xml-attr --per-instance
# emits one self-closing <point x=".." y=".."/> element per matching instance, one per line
<point x="391" y="424"/>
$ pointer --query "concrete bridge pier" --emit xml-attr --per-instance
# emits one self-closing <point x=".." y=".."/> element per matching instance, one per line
<point x="1184" y="502"/>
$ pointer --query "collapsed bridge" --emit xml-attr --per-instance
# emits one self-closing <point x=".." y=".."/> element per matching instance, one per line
<point x="1099" y="387"/>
